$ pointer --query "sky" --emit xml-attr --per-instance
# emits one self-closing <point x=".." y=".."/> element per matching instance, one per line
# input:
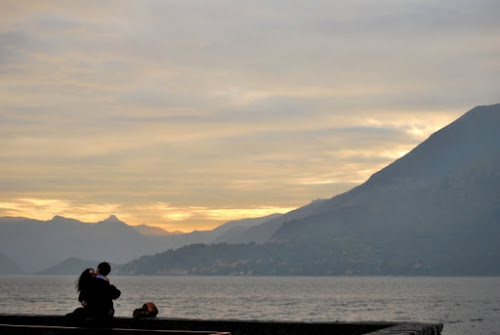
<point x="188" y="114"/>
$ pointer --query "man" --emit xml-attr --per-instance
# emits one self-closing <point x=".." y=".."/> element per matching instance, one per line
<point x="102" y="294"/>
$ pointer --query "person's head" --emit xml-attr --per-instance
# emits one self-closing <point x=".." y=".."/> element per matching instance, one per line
<point x="104" y="268"/>
<point x="84" y="279"/>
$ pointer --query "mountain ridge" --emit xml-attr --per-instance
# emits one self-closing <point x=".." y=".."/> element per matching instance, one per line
<point x="74" y="239"/>
<point x="434" y="211"/>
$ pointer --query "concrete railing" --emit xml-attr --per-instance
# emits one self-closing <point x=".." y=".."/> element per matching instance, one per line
<point x="38" y="324"/>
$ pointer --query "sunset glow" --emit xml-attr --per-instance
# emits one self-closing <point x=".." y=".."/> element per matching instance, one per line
<point x="186" y="115"/>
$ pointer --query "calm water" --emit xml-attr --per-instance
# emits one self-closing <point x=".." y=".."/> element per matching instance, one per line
<point x="464" y="305"/>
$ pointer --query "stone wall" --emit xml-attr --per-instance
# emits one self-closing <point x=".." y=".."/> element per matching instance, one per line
<point x="235" y="327"/>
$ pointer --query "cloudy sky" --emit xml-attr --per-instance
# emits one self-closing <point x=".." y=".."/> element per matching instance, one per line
<point x="188" y="114"/>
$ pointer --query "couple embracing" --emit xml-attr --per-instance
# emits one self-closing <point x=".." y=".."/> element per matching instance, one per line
<point x="96" y="294"/>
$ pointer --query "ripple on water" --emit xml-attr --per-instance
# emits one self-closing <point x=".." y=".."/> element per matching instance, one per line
<point x="464" y="305"/>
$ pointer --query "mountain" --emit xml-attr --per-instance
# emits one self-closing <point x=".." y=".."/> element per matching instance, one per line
<point x="46" y="243"/>
<point x="153" y="231"/>
<point x="434" y="211"/>
<point x="438" y="206"/>
<point x="54" y="241"/>
<point x="237" y="230"/>
<point x="263" y="232"/>
<point x="8" y="267"/>
<point x="70" y="266"/>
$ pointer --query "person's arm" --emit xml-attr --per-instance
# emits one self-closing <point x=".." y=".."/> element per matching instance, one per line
<point x="81" y="299"/>
<point x="114" y="292"/>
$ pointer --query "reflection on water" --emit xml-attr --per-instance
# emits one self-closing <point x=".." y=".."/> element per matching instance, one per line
<point x="464" y="305"/>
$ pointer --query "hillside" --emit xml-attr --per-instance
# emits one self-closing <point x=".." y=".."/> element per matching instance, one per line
<point x="8" y="267"/>
<point x="438" y="206"/>
<point x="71" y="266"/>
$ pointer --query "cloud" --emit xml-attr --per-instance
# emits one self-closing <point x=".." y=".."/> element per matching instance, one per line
<point x="156" y="214"/>
<point x="235" y="106"/>
<point x="46" y="209"/>
<point x="206" y="218"/>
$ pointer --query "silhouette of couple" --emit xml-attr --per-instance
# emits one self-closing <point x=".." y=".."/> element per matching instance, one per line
<point x="96" y="295"/>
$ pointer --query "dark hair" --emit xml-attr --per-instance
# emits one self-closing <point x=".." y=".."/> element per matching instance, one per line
<point x="104" y="268"/>
<point x="84" y="279"/>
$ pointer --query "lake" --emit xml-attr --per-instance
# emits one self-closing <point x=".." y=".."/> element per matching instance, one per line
<point x="465" y="305"/>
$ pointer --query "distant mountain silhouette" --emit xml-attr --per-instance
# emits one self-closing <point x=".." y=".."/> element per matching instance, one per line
<point x="54" y="241"/>
<point x="45" y="243"/>
<point x="263" y="232"/>
<point x="8" y="267"/>
<point x="71" y="266"/>
<point x="153" y="231"/>
<point x="434" y="211"/>
<point x="237" y="231"/>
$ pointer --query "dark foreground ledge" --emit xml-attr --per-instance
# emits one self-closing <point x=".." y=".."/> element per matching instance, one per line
<point x="58" y="325"/>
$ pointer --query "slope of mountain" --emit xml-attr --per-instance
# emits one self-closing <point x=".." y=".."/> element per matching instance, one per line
<point x="435" y="211"/>
<point x="8" y="267"/>
<point x="71" y="266"/>
<point x="236" y="231"/>
<point x="153" y="231"/>
<point x="263" y="232"/>
<point x="438" y="206"/>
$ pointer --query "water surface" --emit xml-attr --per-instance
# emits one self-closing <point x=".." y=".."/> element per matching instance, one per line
<point x="465" y="305"/>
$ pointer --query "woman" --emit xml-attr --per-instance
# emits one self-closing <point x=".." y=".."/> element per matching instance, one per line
<point x="83" y="285"/>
